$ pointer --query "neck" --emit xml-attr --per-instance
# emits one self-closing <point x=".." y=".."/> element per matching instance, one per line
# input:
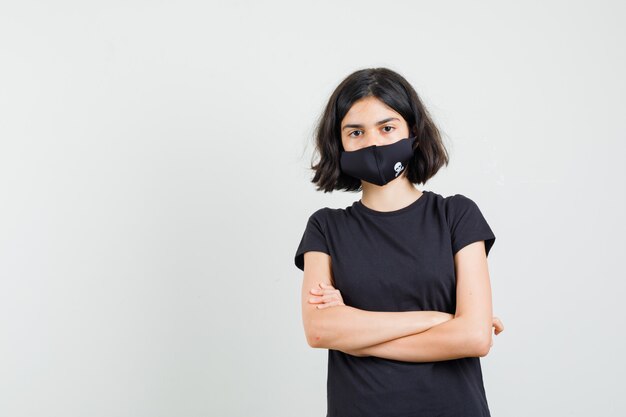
<point x="392" y="196"/>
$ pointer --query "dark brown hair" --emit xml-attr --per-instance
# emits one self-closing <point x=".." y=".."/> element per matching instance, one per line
<point x="393" y="90"/>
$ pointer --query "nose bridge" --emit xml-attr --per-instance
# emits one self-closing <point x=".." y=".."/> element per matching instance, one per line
<point x="374" y="137"/>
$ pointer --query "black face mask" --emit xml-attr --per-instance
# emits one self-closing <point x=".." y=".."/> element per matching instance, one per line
<point x="378" y="164"/>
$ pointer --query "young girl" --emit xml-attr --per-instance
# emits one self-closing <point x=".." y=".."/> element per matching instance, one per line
<point x="396" y="286"/>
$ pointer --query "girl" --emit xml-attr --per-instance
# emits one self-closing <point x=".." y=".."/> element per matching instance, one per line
<point x="396" y="286"/>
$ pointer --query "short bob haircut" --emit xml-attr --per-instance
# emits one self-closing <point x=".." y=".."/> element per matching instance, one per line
<point x="392" y="89"/>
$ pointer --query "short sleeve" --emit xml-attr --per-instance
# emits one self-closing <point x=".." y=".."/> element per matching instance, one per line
<point x="467" y="224"/>
<point x="313" y="239"/>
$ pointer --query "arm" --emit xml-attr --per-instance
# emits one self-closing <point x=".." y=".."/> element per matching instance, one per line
<point x="347" y="328"/>
<point x="468" y="334"/>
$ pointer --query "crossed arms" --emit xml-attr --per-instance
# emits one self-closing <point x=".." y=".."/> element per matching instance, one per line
<point x="415" y="336"/>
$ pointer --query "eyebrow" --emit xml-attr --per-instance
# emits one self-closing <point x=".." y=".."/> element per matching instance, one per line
<point x="378" y="123"/>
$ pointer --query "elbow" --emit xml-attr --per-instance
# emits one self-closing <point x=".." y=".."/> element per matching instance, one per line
<point x="483" y="348"/>
<point x="480" y="343"/>
<point x="474" y="336"/>
<point x="323" y="327"/>
<point x="314" y="340"/>
<point x="313" y="333"/>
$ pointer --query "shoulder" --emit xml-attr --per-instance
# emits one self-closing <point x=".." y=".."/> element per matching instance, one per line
<point x="467" y="223"/>
<point x="326" y="214"/>
<point x="459" y="202"/>
<point x="320" y="213"/>
<point x="454" y="206"/>
<point x="446" y="200"/>
<point x="330" y="220"/>
<point x="321" y="217"/>
<point x="450" y="201"/>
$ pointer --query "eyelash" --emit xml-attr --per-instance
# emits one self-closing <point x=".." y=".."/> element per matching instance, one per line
<point x="360" y="131"/>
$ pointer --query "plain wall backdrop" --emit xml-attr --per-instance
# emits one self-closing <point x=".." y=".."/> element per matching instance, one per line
<point x="154" y="186"/>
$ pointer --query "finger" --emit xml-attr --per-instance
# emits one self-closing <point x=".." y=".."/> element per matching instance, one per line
<point x="325" y="305"/>
<point x="500" y="326"/>
<point x="497" y="323"/>
<point x="318" y="299"/>
<point x="327" y="298"/>
<point x="323" y="299"/>
<point x="318" y="292"/>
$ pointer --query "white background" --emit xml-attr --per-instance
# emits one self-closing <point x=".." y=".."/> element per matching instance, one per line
<point x="154" y="188"/>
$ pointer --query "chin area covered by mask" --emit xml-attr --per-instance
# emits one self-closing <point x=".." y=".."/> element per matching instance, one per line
<point x="378" y="164"/>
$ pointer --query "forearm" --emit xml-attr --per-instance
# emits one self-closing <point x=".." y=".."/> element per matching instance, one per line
<point x="345" y="328"/>
<point x="452" y="339"/>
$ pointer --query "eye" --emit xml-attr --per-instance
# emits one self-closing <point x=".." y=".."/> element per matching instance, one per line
<point x="388" y="127"/>
<point x="353" y="132"/>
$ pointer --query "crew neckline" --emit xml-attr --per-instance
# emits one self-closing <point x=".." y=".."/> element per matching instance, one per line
<point x="363" y="208"/>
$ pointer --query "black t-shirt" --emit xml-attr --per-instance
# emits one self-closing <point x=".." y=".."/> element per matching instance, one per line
<point x="401" y="260"/>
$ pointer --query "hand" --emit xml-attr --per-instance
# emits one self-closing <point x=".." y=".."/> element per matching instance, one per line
<point x="499" y="327"/>
<point x="326" y="296"/>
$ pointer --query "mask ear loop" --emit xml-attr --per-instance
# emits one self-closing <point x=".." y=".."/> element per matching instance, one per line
<point x="408" y="165"/>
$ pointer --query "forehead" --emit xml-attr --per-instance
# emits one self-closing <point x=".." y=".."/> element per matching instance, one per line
<point x="369" y="110"/>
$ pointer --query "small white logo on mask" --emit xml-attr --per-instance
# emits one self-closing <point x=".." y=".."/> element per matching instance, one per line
<point x="398" y="167"/>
